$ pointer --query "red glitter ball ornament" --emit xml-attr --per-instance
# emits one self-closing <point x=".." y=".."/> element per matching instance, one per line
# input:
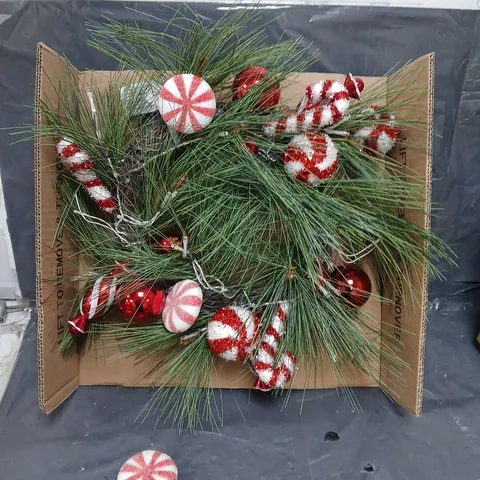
<point x="141" y="305"/>
<point x="352" y="283"/>
<point x="249" y="78"/>
<point x="250" y="145"/>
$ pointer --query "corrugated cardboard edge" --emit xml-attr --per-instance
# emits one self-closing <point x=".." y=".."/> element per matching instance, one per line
<point x="405" y="319"/>
<point x="39" y="293"/>
<point x="428" y="213"/>
<point x="64" y="391"/>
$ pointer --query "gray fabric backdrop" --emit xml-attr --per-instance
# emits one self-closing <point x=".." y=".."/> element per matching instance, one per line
<point x="93" y="432"/>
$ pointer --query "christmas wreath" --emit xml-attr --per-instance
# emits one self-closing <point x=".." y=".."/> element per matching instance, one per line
<point x="218" y="224"/>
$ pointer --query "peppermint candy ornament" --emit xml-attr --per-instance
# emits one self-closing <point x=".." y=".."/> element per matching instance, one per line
<point x="149" y="465"/>
<point x="231" y="333"/>
<point x="182" y="306"/>
<point x="187" y="103"/>
<point x="80" y="165"/>
<point x="311" y="158"/>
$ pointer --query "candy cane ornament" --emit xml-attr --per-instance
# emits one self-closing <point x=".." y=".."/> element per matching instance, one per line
<point x="81" y="167"/>
<point x="271" y="375"/>
<point x="324" y="103"/>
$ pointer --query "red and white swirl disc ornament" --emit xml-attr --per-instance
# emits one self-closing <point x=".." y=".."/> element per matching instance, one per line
<point x="80" y="165"/>
<point x="273" y="375"/>
<point x="231" y="333"/>
<point x="187" y="103"/>
<point x="311" y="158"/>
<point x="182" y="306"/>
<point x="380" y="137"/>
<point x="149" y="465"/>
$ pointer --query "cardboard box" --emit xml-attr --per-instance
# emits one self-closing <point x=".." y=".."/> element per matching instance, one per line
<point x="57" y="261"/>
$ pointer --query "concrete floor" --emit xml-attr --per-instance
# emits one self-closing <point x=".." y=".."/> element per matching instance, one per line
<point x="11" y="335"/>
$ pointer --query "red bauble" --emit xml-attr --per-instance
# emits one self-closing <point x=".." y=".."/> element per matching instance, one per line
<point x="250" y="145"/>
<point x="354" y="86"/>
<point x="141" y="305"/>
<point x="250" y="77"/>
<point x="352" y="283"/>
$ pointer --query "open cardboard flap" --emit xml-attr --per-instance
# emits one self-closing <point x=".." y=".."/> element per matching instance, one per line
<point x="57" y="262"/>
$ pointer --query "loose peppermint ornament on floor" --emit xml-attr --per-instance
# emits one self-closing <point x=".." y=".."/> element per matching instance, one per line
<point x="149" y="465"/>
<point x="187" y="103"/>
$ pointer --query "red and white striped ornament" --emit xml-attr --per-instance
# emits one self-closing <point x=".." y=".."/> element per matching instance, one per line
<point x="187" y="103"/>
<point x="95" y="302"/>
<point x="379" y="137"/>
<point x="149" y="465"/>
<point x="311" y="158"/>
<point x="271" y="374"/>
<point x="326" y="93"/>
<point x="182" y="306"/>
<point x="81" y="166"/>
<point x="324" y="104"/>
<point x="231" y="333"/>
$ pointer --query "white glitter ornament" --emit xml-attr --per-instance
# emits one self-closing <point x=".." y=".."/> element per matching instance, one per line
<point x="149" y="465"/>
<point x="182" y="306"/>
<point x="187" y="103"/>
